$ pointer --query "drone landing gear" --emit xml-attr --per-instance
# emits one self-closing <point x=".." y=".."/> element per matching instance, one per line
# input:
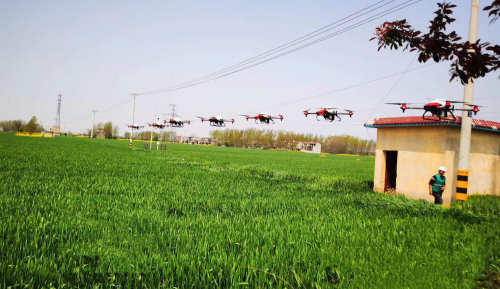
<point x="441" y="115"/>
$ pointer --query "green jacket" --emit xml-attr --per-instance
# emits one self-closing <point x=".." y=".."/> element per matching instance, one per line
<point x="437" y="183"/>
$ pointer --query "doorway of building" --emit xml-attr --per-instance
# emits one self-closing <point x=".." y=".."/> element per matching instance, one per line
<point x="391" y="170"/>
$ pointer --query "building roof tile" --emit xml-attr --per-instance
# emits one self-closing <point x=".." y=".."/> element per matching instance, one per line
<point x="419" y="121"/>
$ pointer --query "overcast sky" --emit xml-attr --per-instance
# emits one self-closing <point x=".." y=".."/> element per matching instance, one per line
<point x="96" y="53"/>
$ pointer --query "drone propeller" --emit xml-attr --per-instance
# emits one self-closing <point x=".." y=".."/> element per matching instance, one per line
<point x="350" y="112"/>
<point x="470" y="104"/>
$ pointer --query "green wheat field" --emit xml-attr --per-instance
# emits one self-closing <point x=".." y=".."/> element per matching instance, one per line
<point x="75" y="214"/>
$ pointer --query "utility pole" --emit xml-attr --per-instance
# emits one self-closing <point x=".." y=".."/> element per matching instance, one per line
<point x="93" y="121"/>
<point x="466" y="129"/>
<point x="57" y="126"/>
<point x="133" y="123"/>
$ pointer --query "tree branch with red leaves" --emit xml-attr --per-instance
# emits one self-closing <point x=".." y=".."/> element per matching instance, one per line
<point x="470" y="60"/>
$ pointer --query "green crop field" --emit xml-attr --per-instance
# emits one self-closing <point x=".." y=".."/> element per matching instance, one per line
<point x="99" y="215"/>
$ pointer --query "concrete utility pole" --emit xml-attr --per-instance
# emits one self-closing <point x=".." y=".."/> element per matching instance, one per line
<point x="133" y="123"/>
<point x="466" y="130"/>
<point x="93" y="121"/>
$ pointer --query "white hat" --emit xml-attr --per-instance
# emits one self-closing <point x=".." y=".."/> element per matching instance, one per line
<point x="443" y="169"/>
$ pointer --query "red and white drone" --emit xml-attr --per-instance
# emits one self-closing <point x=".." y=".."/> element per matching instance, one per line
<point x="135" y="126"/>
<point x="440" y="108"/>
<point x="218" y="121"/>
<point x="158" y="124"/>
<point x="329" y="113"/>
<point x="177" y="122"/>
<point x="263" y="117"/>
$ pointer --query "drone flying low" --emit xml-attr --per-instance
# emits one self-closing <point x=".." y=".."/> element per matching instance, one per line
<point x="177" y="122"/>
<point x="263" y="117"/>
<point x="158" y="124"/>
<point x="135" y="126"/>
<point x="329" y="113"/>
<point x="216" y="120"/>
<point x="440" y="108"/>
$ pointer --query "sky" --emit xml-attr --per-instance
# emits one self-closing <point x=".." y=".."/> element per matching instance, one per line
<point x="97" y="53"/>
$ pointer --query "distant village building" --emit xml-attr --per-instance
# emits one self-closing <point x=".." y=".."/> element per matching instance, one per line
<point x="1" y="128"/>
<point x="410" y="150"/>
<point x="48" y="134"/>
<point x="179" y="138"/>
<point x="100" y="133"/>
<point x="309" y="147"/>
<point x="206" y="140"/>
<point x="57" y="130"/>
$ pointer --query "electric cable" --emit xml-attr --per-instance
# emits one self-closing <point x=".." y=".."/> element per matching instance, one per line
<point x="389" y="92"/>
<point x="340" y="89"/>
<point x="279" y="48"/>
<point x="356" y="25"/>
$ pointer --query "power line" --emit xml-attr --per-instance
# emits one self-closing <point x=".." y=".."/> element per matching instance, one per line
<point x="356" y="25"/>
<point x="498" y="96"/>
<point x="344" y="88"/>
<point x="389" y="92"/>
<point x="281" y="47"/>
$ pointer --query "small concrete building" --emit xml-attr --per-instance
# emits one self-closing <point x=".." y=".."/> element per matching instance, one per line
<point x="48" y="134"/>
<point x="1" y="128"/>
<point x="206" y="140"/>
<point x="100" y="133"/>
<point x="57" y="130"/>
<point x="410" y="150"/>
<point x="309" y="147"/>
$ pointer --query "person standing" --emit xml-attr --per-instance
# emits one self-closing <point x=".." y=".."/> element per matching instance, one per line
<point x="437" y="185"/>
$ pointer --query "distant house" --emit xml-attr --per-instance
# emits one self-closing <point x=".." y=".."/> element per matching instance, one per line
<point x="206" y="140"/>
<point x="48" y="134"/>
<point x="100" y="133"/>
<point x="1" y="128"/>
<point x="309" y="147"/>
<point x="410" y="150"/>
<point x="57" y="130"/>
<point x="179" y="138"/>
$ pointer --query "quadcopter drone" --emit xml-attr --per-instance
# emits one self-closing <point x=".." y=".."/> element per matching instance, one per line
<point x="216" y="121"/>
<point x="135" y="126"/>
<point x="329" y="113"/>
<point x="158" y="124"/>
<point x="440" y="108"/>
<point x="177" y="122"/>
<point x="263" y="118"/>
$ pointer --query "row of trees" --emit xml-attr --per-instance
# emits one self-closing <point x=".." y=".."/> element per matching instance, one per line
<point x="268" y="138"/>
<point x="20" y="125"/>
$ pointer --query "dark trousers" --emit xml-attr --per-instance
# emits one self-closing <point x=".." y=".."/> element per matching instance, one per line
<point x="438" y="198"/>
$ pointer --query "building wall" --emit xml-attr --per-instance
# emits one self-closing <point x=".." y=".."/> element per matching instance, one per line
<point x="48" y="134"/>
<point x="309" y="147"/>
<point x="421" y="150"/>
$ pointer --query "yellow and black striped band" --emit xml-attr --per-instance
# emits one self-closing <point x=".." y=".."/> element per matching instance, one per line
<point x="462" y="185"/>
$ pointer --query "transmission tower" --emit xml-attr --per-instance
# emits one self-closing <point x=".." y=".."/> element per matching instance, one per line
<point x="172" y="115"/>
<point x="57" y="126"/>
